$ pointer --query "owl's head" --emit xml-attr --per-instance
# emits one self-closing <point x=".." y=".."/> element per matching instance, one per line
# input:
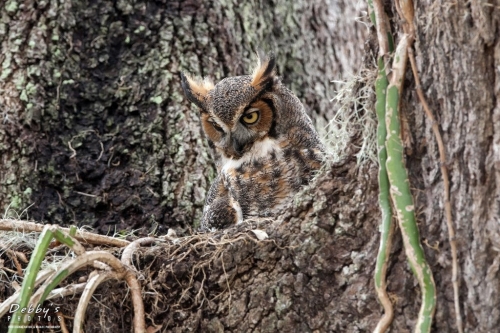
<point x="238" y="111"/>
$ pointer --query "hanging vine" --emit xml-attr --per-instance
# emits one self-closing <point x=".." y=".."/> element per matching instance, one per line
<point x="393" y="176"/>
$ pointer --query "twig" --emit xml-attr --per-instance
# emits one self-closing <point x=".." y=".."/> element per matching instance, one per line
<point x="82" y="236"/>
<point x="90" y="287"/>
<point x="135" y="293"/>
<point x="133" y="283"/>
<point x="87" y="194"/>
<point x="102" y="151"/>
<point x="86" y="259"/>
<point x="64" y="329"/>
<point x="382" y="27"/>
<point x="13" y="256"/>
<point x="71" y="289"/>
<point x="126" y="258"/>
<point x="73" y="151"/>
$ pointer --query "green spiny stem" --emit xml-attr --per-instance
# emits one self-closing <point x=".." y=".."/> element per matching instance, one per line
<point x="72" y="231"/>
<point x="54" y="281"/>
<point x="371" y="12"/>
<point x="398" y="178"/>
<point x="49" y="232"/>
<point x="386" y="226"/>
<point x="401" y="194"/>
<point x="19" y="320"/>
<point x="68" y="240"/>
<point x="69" y="268"/>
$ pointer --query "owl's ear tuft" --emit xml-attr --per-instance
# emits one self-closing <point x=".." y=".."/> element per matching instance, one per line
<point x="196" y="90"/>
<point x="264" y="72"/>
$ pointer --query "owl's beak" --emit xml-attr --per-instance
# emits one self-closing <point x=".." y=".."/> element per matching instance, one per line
<point x="238" y="148"/>
<point x="234" y="149"/>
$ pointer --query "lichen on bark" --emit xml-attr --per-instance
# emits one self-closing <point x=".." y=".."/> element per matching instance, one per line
<point x="96" y="129"/>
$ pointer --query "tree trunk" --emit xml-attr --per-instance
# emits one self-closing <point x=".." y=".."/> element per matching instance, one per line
<point x="96" y="132"/>
<point x="458" y="55"/>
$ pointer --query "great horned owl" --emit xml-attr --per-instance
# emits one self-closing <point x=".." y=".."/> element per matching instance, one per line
<point x="266" y="146"/>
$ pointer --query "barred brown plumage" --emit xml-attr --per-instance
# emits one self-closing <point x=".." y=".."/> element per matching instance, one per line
<point x="266" y="146"/>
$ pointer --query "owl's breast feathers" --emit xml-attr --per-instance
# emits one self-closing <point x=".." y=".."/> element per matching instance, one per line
<point x="265" y="180"/>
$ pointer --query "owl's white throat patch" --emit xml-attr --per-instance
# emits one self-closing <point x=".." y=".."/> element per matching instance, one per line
<point x="259" y="151"/>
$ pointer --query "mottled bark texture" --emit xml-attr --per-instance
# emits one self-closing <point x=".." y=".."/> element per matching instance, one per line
<point x="95" y="130"/>
<point x="458" y="56"/>
<point x="104" y="77"/>
<point x="313" y="273"/>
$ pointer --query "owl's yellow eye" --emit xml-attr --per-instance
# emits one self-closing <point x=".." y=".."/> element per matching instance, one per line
<point x="250" y="118"/>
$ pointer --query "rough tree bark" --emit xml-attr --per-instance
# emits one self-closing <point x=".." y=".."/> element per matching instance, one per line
<point x="458" y="55"/>
<point x="95" y="131"/>
<point x="95" y="128"/>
